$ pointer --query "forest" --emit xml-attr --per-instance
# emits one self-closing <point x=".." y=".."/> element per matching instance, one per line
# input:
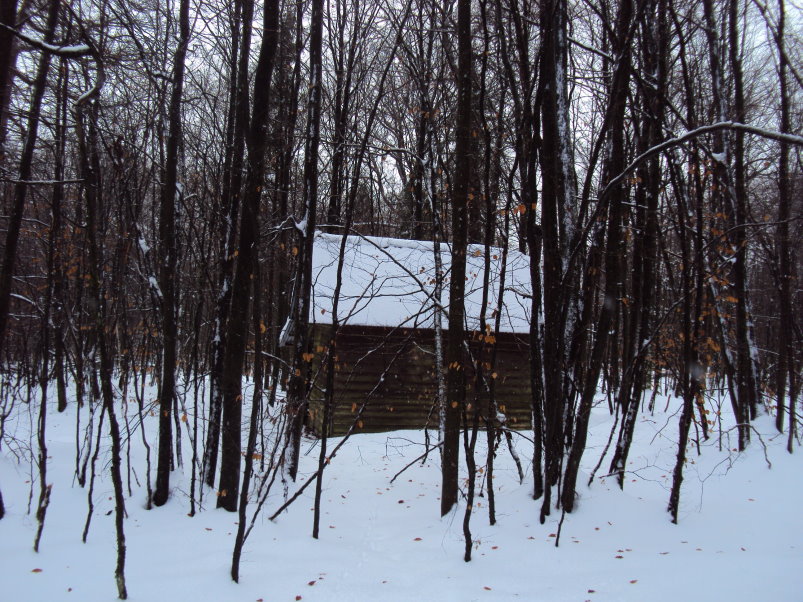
<point x="165" y="166"/>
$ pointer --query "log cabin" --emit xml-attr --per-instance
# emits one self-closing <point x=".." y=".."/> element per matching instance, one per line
<point x="385" y="367"/>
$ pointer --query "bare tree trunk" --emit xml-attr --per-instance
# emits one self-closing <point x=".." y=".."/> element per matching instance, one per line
<point x="90" y="168"/>
<point x="231" y="193"/>
<point x="167" y="259"/>
<point x="247" y="255"/>
<point x="8" y="60"/>
<point x="554" y="154"/>
<point x="25" y="171"/>
<point x="614" y="165"/>
<point x="639" y="307"/>
<point x="787" y="365"/>
<point x="747" y="381"/>
<point x="691" y="368"/>
<point x="55" y="231"/>
<point x="253" y="428"/>
<point x="461" y="192"/>
<point x="297" y="391"/>
<point x="722" y="201"/>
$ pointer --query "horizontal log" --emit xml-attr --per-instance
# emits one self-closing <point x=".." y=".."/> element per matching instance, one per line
<point x="394" y="370"/>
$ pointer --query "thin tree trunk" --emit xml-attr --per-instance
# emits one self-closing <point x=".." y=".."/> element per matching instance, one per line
<point x="8" y="60"/>
<point x="299" y="378"/>
<point x="247" y="255"/>
<point x="461" y="193"/>
<point x="747" y="381"/>
<point x="90" y="167"/>
<point x="168" y="261"/>
<point x="25" y="171"/>
<point x="231" y="197"/>
<point x="615" y="163"/>
<point x="253" y="428"/>
<point x="787" y="368"/>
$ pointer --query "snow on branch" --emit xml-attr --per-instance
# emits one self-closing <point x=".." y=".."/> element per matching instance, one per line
<point x="67" y="51"/>
<point x="695" y="133"/>
<point x="42" y="182"/>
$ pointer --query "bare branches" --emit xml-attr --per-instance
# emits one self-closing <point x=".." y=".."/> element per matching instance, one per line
<point x="693" y="134"/>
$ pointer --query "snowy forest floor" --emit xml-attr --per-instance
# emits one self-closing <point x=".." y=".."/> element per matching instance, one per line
<point x="739" y="537"/>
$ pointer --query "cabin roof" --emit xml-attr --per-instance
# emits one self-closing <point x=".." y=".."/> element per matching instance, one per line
<point x="391" y="282"/>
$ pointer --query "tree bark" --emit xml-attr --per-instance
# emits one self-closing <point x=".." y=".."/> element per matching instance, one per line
<point x="25" y="171"/>
<point x="299" y="378"/>
<point x="237" y="328"/>
<point x="167" y="262"/>
<point x="612" y="201"/>
<point x="461" y="192"/>
<point x="8" y="60"/>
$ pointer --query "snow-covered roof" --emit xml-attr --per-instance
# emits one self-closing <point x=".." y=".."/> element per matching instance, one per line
<point x="391" y="282"/>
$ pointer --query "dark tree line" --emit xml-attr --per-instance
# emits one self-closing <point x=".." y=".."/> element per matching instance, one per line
<point x="165" y="166"/>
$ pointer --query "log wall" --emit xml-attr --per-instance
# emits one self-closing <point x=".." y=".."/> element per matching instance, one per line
<point x="391" y="373"/>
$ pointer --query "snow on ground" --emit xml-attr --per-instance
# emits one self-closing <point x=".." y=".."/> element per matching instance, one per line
<point x="740" y="535"/>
